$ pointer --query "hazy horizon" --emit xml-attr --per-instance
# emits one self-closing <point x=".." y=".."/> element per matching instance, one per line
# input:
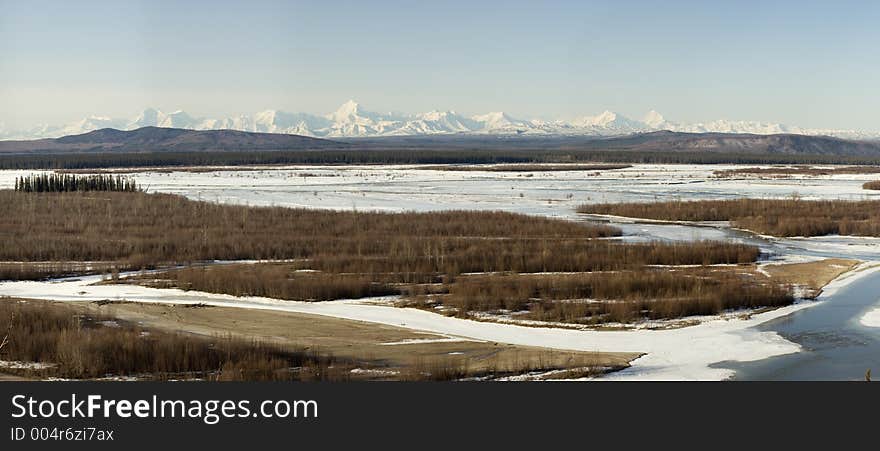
<point x="797" y="63"/>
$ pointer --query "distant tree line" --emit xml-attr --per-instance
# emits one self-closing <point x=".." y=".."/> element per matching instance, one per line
<point x="59" y="183"/>
<point x="410" y="156"/>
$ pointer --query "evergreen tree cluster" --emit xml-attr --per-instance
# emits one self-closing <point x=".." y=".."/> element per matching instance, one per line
<point x="60" y="183"/>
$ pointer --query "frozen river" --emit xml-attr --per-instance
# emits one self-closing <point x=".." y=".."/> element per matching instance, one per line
<point x="832" y="341"/>
<point x="836" y="345"/>
<point x="396" y="188"/>
<point x="551" y="193"/>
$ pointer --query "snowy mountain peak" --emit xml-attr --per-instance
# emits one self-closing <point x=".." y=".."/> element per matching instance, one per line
<point x="493" y="116"/>
<point x="347" y="111"/>
<point x="149" y="117"/>
<point x="351" y="120"/>
<point x="435" y="115"/>
<point x="609" y="121"/>
<point x="606" y="118"/>
<point x="266" y="116"/>
<point x="499" y="121"/>
<point x="653" y="119"/>
<point x="178" y="119"/>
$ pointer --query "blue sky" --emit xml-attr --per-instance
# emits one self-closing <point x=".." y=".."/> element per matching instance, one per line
<point x="812" y="64"/>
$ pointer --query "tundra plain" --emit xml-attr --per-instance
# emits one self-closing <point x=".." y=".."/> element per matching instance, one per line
<point x="541" y="288"/>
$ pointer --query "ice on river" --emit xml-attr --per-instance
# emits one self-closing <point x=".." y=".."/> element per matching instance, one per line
<point x="551" y="193"/>
<point x="685" y="353"/>
<point x="681" y="354"/>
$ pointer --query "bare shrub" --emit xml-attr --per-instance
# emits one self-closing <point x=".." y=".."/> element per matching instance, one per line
<point x="276" y="281"/>
<point x="81" y="347"/>
<point x="150" y="229"/>
<point x="778" y="217"/>
<point x="46" y="270"/>
<point x="798" y="170"/>
<point x="612" y="297"/>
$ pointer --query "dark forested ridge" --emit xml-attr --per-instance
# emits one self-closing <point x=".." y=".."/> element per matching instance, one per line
<point x="738" y="143"/>
<point x="660" y="141"/>
<point x="403" y="156"/>
<point x="152" y="147"/>
<point x="157" y="139"/>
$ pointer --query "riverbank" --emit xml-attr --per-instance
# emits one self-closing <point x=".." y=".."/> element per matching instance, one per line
<point x="673" y="354"/>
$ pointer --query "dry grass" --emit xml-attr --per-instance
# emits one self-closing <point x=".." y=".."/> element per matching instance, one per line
<point x="445" y="260"/>
<point x="354" y="344"/>
<point x="356" y="254"/>
<point x="152" y="229"/>
<point x="366" y="343"/>
<point x="146" y="230"/>
<point x="350" y="276"/>
<point x="812" y="276"/>
<point x="797" y="170"/>
<point x="619" y="297"/>
<point x="47" y="270"/>
<point x="777" y="217"/>
<point x="93" y="346"/>
<point x="269" y="280"/>
<point x="873" y="185"/>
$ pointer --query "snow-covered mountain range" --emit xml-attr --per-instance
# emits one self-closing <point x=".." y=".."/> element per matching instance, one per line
<point x="352" y="120"/>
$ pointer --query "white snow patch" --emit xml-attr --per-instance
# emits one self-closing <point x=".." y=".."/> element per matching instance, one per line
<point x="374" y="372"/>
<point x="681" y="354"/>
<point x="410" y="341"/>
<point x="18" y="365"/>
<point x="871" y="319"/>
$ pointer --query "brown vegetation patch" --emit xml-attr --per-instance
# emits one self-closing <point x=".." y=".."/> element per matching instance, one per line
<point x="355" y="345"/>
<point x="145" y="230"/>
<point x="812" y="276"/>
<point x="351" y="276"/>
<point x="151" y="229"/>
<point x="777" y="217"/>
<point x="873" y="185"/>
<point x="610" y="297"/>
<point x="279" y="281"/>
<point x="48" y="270"/>
<point x="97" y="346"/>
<point x="446" y="260"/>
<point x="787" y="171"/>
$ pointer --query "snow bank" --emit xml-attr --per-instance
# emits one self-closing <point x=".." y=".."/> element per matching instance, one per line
<point x="871" y="319"/>
<point x="676" y="354"/>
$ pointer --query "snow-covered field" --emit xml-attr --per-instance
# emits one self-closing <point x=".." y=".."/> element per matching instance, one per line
<point x="400" y="188"/>
<point x="547" y="193"/>
<point x="685" y="353"/>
